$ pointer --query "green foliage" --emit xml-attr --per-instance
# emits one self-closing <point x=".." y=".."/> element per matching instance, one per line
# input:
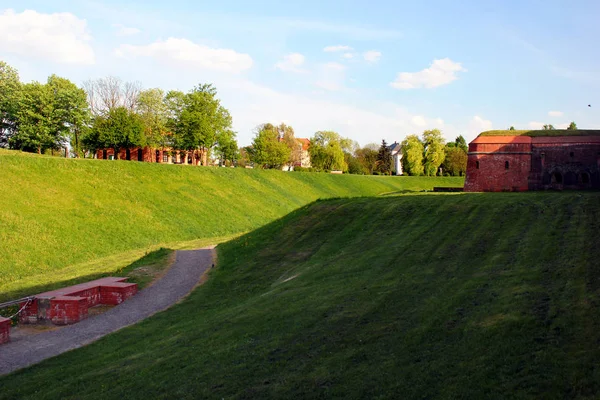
<point x="118" y="129"/>
<point x="227" y="147"/>
<point x="367" y="157"/>
<point x="267" y="150"/>
<point x="412" y="155"/>
<point x="455" y="161"/>
<point x="549" y="127"/>
<point x="384" y="159"/>
<point x="512" y="128"/>
<point x="152" y="108"/>
<point x="198" y="119"/>
<point x="327" y="151"/>
<point x="460" y="142"/>
<point x="354" y="165"/>
<point x="473" y="296"/>
<point x="10" y="92"/>
<point x="434" y="142"/>
<point x="36" y="126"/>
<point x="572" y="126"/>
<point x="58" y="213"/>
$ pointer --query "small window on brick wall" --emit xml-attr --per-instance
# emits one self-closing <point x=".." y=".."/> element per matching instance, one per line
<point x="506" y="165"/>
<point x="477" y="164"/>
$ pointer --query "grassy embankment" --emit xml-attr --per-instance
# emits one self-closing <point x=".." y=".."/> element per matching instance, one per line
<point x="475" y="296"/>
<point x="67" y="220"/>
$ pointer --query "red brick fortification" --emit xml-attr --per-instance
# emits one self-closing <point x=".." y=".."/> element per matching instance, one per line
<point x="70" y="305"/>
<point x="4" y="330"/>
<point x="520" y="163"/>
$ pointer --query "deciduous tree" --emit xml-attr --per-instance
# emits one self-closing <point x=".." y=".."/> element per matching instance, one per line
<point x="434" y="151"/>
<point x="10" y="92"/>
<point x="412" y="155"/>
<point x="267" y="150"/>
<point x="572" y="126"/>
<point x="119" y="129"/>
<point x="326" y="152"/>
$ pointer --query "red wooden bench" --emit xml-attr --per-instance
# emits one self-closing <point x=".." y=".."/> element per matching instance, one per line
<point x="70" y="304"/>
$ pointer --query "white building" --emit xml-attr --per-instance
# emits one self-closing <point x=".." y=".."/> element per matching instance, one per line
<point x="395" y="149"/>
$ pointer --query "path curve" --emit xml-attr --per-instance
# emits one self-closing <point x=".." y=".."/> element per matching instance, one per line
<point x="180" y="279"/>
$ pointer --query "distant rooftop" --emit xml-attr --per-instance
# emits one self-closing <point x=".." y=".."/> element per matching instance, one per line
<point x="538" y="133"/>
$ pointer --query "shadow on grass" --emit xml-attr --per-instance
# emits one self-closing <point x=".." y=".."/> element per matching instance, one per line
<point x="153" y="262"/>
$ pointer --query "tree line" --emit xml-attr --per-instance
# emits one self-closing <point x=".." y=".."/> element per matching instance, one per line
<point x="109" y="113"/>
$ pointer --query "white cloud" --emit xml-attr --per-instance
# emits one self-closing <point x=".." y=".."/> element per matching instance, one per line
<point x="291" y="63"/>
<point x="441" y="72"/>
<point x="58" y="37"/>
<point x="418" y="120"/>
<point x="125" y="30"/>
<point x="555" y="113"/>
<point x="184" y="52"/>
<point x="372" y="56"/>
<point x="478" y="125"/>
<point x="348" y="56"/>
<point x="331" y="76"/>
<point x="333" y="49"/>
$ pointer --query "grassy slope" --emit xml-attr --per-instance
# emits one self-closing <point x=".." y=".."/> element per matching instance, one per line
<point x="58" y="216"/>
<point x="426" y="296"/>
<point x="536" y="133"/>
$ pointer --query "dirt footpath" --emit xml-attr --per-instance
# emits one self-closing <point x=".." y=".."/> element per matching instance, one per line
<point x="180" y="279"/>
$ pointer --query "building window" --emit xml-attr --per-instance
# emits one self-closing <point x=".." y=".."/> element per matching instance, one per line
<point x="585" y="178"/>
<point x="104" y="154"/>
<point x="128" y="155"/>
<point x="140" y="154"/>
<point x="477" y="164"/>
<point x="506" y="165"/>
<point x="165" y="158"/>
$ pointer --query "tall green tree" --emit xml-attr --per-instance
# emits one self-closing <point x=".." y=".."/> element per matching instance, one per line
<point x="200" y="120"/>
<point x="71" y="115"/>
<point x="153" y="109"/>
<point x="10" y="92"/>
<point x="548" y="127"/>
<point x="326" y="151"/>
<point x="227" y="148"/>
<point x="36" y="126"/>
<point x="268" y="151"/>
<point x="119" y="129"/>
<point x="572" y="126"/>
<point x="434" y="151"/>
<point x="461" y="143"/>
<point x="412" y="155"/>
<point x="367" y="157"/>
<point x="455" y="161"/>
<point x="384" y="159"/>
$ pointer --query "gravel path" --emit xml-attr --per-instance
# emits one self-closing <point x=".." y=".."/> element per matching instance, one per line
<point x="179" y="280"/>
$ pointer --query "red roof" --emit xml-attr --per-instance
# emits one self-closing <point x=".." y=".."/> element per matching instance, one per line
<point x="305" y="143"/>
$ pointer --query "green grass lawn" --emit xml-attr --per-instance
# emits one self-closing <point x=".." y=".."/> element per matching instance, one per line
<point x="448" y="296"/>
<point x="63" y="220"/>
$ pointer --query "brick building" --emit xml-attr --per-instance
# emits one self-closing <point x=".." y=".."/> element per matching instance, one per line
<point x="148" y="154"/>
<point x="533" y="160"/>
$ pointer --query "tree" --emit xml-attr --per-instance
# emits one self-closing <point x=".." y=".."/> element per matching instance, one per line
<point x="152" y="108"/>
<point x="548" y="127"/>
<point x="119" y="129"/>
<point x="512" y="128"/>
<point x="267" y="150"/>
<point x="455" y="161"/>
<point x="71" y="116"/>
<point x="460" y="142"/>
<point x="326" y="152"/>
<point x="433" y="142"/>
<point x="227" y="147"/>
<point x="36" y="126"/>
<point x="108" y="93"/>
<point x="384" y="159"/>
<point x="412" y="155"/>
<point x="367" y="156"/>
<point x="198" y="119"/>
<point x="10" y="92"/>
<point x="572" y="126"/>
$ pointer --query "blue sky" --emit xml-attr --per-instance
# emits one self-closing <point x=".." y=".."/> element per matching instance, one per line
<point x="368" y="70"/>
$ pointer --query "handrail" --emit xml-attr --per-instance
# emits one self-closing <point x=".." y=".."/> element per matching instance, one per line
<point x="13" y="302"/>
